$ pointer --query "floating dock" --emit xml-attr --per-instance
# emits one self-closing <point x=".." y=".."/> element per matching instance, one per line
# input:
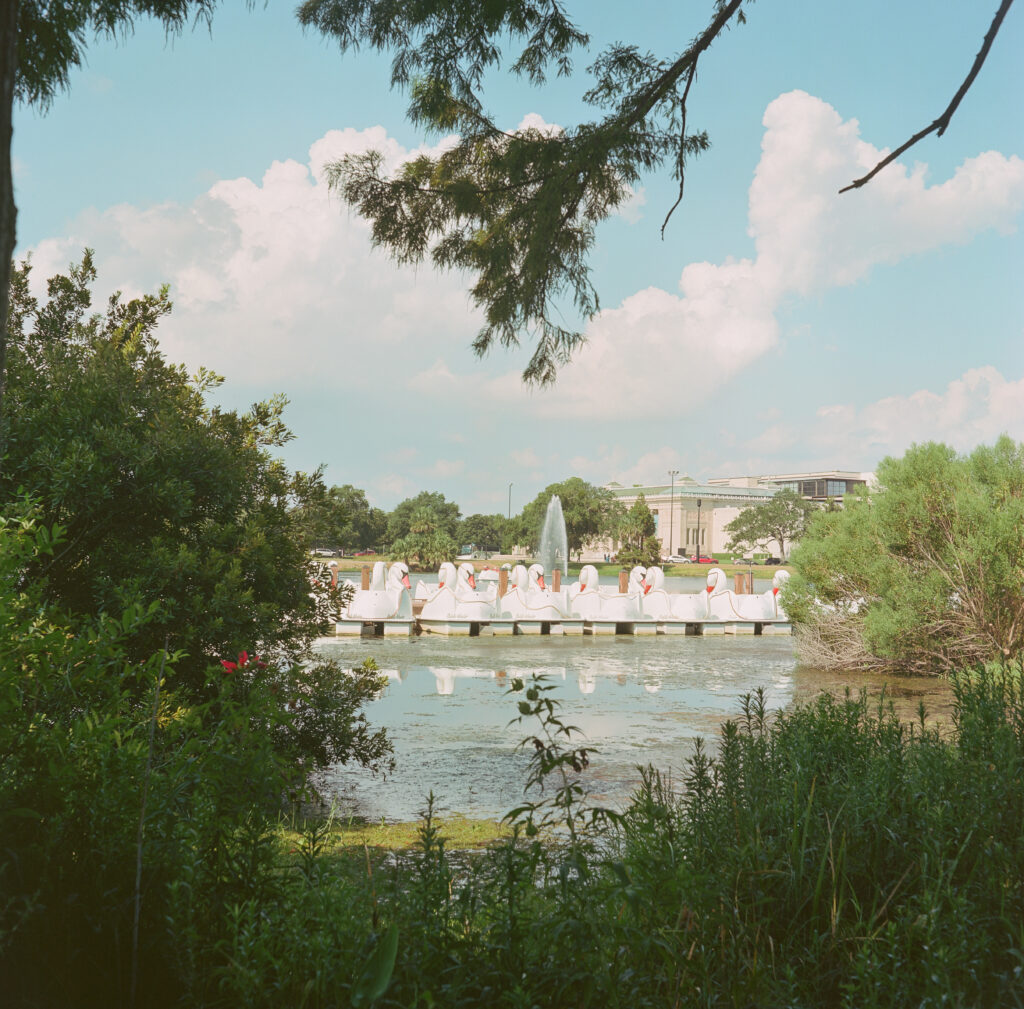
<point x="571" y="626"/>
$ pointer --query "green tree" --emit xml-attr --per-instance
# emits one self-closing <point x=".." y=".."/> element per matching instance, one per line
<point x="427" y="543"/>
<point x="590" y="513"/>
<point x="636" y="535"/>
<point x="163" y="498"/>
<point x="486" y="532"/>
<point x="341" y="518"/>
<point x="924" y="574"/>
<point x="443" y="515"/>
<point x="519" y="211"/>
<point x="127" y="801"/>
<point x="40" y="43"/>
<point x="781" y="520"/>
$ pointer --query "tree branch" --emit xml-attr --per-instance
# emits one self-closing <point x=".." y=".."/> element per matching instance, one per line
<point x="682" y="147"/>
<point x="943" y="121"/>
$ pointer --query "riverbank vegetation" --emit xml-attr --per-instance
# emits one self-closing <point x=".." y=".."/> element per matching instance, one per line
<point x="829" y="855"/>
<point x="160" y="707"/>
<point x="925" y="573"/>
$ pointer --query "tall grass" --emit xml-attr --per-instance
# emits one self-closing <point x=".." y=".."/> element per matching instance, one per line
<point x="826" y="856"/>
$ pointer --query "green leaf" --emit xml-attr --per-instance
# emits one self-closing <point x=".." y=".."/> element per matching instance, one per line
<point x="377" y="971"/>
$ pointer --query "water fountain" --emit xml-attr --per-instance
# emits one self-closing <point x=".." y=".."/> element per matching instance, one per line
<point x="554" y="546"/>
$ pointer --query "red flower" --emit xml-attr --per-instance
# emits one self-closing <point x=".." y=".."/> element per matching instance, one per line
<point x="243" y="661"/>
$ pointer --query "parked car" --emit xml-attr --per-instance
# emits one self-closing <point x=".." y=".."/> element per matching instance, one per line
<point x="364" y="553"/>
<point x="675" y="559"/>
<point x="772" y="560"/>
<point x="702" y="560"/>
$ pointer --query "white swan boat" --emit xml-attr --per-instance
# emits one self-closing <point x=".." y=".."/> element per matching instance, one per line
<point x="387" y="603"/>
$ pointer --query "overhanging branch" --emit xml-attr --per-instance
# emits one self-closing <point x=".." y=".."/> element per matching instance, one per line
<point x="939" y="125"/>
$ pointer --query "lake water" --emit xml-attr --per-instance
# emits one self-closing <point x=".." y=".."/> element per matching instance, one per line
<point x="637" y="700"/>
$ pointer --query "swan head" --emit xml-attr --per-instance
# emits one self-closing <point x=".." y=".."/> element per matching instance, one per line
<point x="446" y="575"/>
<point x="467" y="575"/>
<point x="536" y="576"/>
<point x="654" y="579"/>
<point x="636" y="578"/>
<point x="519" y="577"/>
<point x="716" y="580"/>
<point x="588" y="577"/>
<point x="779" y="581"/>
<point x="399" y="573"/>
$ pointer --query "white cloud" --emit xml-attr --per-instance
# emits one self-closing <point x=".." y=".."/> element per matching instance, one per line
<point x="973" y="409"/>
<point x="401" y="456"/>
<point x="651" y="468"/>
<point x="808" y="239"/>
<point x="631" y="209"/>
<point x="273" y="280"/>
<point x="393" y="487"/>
<point x="526" y="458"/>
<point x="446" y="468"/>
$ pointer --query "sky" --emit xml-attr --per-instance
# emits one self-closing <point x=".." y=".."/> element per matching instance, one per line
<point x="777" y="327"/>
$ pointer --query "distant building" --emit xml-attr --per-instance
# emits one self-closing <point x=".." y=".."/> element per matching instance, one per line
<point x="824" y="486"/>
<point x="688" y="515"/>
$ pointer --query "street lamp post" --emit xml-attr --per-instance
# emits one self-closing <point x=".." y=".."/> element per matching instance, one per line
<point x="673" y="473"/>
<point x="698" y="530"/>
<point x="510" y="502"/>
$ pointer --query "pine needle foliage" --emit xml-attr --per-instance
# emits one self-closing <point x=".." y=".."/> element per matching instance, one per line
<point x="518" y="211"/>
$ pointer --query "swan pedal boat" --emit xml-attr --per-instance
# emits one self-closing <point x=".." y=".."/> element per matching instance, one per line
<point x="385" y="607"/>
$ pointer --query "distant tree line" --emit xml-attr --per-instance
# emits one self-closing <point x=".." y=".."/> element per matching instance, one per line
<point x="428" y="528"/>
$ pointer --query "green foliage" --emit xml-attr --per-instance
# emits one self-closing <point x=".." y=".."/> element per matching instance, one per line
<point x="340" y="518"/>
<point x="518" y="210"/>
<point x="781" y="520"/>
<point x="127" y="807"/>
<point x="635" y="533"/>
<point x="828" y="856"/>
<point x="590" y="513"/>
<point x="927" y="573"/>
<point x="428" y="511"/>
<point x="426" y="544"/>
<point x="163" y="498"/>
<point x="485" y="532"/>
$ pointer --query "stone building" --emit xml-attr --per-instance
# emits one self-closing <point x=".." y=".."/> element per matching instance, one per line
<point x="688" y="514"/>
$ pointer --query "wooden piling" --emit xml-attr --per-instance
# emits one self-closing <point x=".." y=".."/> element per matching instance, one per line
<point x="556" y="579"/>
<point x="502" y="581"/>
<point x="366" y="577"/>
<point x="623" y="580"/>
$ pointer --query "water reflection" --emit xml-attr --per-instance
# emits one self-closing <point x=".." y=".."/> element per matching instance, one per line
<point x="637" y="701"/>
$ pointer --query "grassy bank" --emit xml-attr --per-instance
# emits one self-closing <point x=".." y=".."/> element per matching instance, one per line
<point x="342" y="836"/>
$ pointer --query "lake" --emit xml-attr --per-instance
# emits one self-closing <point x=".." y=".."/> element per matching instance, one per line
<point x="637" y="700"/>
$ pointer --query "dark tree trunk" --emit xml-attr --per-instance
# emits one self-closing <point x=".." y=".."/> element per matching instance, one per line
<point x="8" y="212"/>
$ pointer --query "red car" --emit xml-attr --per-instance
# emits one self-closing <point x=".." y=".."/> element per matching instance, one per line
<point x="701" y="560"/>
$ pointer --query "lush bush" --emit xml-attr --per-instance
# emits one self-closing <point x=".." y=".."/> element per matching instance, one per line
<point x="926" y="573"/>
<point x="127" y="806"/>
<point x="163" y="497"/>
<point x="827" y="856"/>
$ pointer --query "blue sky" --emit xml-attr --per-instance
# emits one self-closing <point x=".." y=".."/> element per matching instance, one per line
<point x="777" y="327"/>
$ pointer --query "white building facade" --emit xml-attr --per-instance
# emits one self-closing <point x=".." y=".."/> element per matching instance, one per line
<point x="690" y="518"/>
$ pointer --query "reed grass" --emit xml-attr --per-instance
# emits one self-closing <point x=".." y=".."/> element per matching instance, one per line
<point x="830" y="855"/>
